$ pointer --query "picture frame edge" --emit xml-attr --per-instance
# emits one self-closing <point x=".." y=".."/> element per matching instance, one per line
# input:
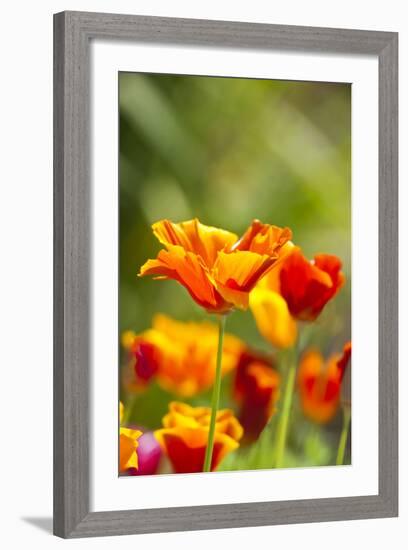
<point x="72" y="518"/>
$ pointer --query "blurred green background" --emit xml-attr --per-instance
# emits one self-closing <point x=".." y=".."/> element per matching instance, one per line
<point x="227" y="150"/>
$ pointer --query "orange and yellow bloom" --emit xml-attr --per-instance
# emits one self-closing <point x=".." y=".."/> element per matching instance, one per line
<point x="184" y="436"/>
<point x="319" y="383"/>
<point x="218" y="269"/>
<point x="181" y="355"/>
<point x="128" y="444"/>
<point x="256" y="388"/>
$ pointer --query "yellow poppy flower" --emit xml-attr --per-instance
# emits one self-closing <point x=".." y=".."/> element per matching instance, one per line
<point x="272" y="317"/>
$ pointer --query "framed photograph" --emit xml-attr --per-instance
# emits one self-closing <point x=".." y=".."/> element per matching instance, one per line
<point x="225" y="288"/>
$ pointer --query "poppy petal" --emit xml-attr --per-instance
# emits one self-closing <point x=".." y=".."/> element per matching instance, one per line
<point x="308" y="286"/>
<point x="185" y="447"/>
<point x="263" y="238"/>
<point x="193" y="236"/>
<point x="127" y="448"/>
<point x="319" y="386"/>
<point x="184" y="436"/>
<point x="273" y="318"/>
<point x="237" y="273"/>
<point x="186" y="268"/>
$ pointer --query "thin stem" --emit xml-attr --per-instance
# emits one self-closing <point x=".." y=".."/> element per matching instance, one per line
<point x="344" y="435"/>
<point x="282" y="431"/>
<point x="215" y="395"/>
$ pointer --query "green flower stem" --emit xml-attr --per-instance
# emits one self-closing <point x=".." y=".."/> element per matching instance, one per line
<point x="215" y="395"/>
<point x="282" y="430"/>
<point x="129" y="406"/>
<point x="344" y="435"/>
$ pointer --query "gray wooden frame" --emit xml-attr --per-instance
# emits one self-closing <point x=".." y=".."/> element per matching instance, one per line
<point x="72" y="34"/>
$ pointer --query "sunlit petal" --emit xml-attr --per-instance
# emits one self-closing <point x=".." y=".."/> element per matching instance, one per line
<point x="186" y="268"/>
<point x="217" y="270"/>
<point x="273" y="318"/>
<point x="185" y="434"/>
<point x="128" y="448"/>
<point x="263" y="239"/>
<point x="193" y="236"/>
<point x="181" y="356"/>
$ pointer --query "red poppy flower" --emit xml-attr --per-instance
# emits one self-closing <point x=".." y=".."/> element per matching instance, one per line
<point x="307" y="286"/>
<point x="256" y="388"/>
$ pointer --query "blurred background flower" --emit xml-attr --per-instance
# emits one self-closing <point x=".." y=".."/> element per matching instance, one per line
<point x="180" y="355"/>
<point x="256" y="389"/>
<point x="319" y="383"/>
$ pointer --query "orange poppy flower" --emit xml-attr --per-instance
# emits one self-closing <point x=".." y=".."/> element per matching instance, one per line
<point x="216" y="268"/>
<point x="128" y="445"/>
<point x="185" y="433"/>
<point x="181" y="355"/>
<point x="256" y="388"/>
<point x="307" y="286"/>
<point x="319" y="383"/>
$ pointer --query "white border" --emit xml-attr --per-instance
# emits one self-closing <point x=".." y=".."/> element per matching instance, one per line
<point x="108" y="492"/>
